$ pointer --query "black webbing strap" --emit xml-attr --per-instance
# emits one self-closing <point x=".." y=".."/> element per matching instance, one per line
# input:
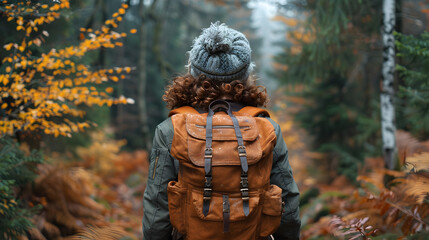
<point x="208" y="158"/>
<point x="226" y="213"/>
<point x="244" y="167"/>
<point x="207" y="195"/>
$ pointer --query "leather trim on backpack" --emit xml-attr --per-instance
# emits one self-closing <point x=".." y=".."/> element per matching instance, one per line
<point x="184" y="109"/>
<point x="253" y="111"/>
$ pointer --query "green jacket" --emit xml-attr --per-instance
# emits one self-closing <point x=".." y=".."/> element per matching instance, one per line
<point x="163" y="169"/>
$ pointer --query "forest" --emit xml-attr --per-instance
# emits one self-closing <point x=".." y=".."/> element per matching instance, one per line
<point x="81" y="86"/>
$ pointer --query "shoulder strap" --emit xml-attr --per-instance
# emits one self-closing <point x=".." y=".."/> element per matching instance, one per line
<point x="253" y="111"/>
<point x="184" y="109"/>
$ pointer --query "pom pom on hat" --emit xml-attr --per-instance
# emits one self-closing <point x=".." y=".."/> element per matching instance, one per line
<point x="221" y="53"/>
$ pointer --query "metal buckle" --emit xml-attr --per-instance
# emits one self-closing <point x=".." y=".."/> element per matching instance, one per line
<point x="244" y="194"/>
<point x="208" y="153"/>
<point x="208" y="182"/>
<point x="242" y="151"/>
<point x="244" y="182"/>
<point x="207" y="195"/>
<point x="225" y="206"/>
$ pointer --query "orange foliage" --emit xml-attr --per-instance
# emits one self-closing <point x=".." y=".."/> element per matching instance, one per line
<point x="99" y="197"/>
<point x="384" y="202"/>
<point x="35" y="89"/>
<point x="105" y="233"/>
<point x="288" y="21"/>
<point x="399" y="208"/>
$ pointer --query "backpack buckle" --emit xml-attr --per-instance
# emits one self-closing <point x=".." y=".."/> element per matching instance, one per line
<point x="244" y="194"/>
<point x="244" y="182"/>
<point x="242" y="151"/>
<point x="208" y="153"/>
<point x="225" y="205"/>
<point x="207" y="195"/>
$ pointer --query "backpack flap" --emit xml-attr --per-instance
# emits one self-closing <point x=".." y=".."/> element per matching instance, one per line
<point x="225" y="152"/>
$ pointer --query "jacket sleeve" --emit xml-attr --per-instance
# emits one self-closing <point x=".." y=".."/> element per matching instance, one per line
<point x="281" y="175"/>
<point x="156" y="220"/>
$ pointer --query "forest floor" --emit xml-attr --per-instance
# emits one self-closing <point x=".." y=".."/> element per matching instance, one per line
<point x="99" y="195"/>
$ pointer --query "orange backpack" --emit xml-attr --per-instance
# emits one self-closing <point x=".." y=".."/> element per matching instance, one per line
<point x="223" y="189"/>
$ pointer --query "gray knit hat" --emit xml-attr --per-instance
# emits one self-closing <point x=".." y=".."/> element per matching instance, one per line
<point x="221" y="53"/>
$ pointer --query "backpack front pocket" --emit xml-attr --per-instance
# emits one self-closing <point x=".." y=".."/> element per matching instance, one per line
<point x="271" y="210"/>
<point x="225" y="219"/>
<point x="216" y="206"/>
<point x="176" y="206"/>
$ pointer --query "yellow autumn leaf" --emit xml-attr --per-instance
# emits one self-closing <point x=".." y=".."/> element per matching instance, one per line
<point x="20" y="21"/>
<point x="4" y="105"/>
<point x="109" y="90"/>
<point x="8" y="46"/>
<point x="121" y="11"/>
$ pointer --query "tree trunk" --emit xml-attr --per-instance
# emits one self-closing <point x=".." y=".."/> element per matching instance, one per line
<point x="388" y="127"/>
<point x="141" y="88"/>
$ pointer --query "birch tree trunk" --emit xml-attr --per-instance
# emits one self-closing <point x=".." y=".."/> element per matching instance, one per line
<point x="388" y="127"/>
<point x="141" y="88"/>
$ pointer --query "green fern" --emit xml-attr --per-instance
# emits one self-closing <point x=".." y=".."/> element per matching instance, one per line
<point x="16" y="170"/>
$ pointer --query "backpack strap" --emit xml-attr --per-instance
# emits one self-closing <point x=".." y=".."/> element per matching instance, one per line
<point x="184" y="109"/>
<point x="254" y="111"/>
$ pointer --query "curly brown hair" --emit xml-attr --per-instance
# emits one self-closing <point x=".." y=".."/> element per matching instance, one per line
<point x="200" y="92"/>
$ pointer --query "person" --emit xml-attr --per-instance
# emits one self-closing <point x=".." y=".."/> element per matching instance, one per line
<point x="219" y="67"/>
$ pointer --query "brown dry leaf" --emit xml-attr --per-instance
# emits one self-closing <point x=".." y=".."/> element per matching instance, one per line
<point x="105" y="233"/>
<point x="68" y="203"/>
<point x="36" y="234"/>
<point x="374" y="216"/>
<point x="50" y="230"/>
<point x="373" y="178"/>
<point x="408" y="145"/>
<point x="418" y="186"/>
<point x="418" y="162"/>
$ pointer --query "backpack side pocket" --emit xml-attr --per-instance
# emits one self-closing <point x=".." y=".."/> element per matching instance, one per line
<point x="271" y="211"/>
<point x="176" y="206"/>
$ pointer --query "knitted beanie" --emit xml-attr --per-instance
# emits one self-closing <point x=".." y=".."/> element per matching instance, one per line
<point x="221" y="53"/>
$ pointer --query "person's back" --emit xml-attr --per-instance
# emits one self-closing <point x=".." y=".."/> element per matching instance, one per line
<point x="227" y="173"/>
